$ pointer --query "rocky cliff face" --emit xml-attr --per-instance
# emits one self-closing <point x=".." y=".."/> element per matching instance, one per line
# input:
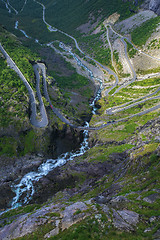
<point x="119" y="195"/>
<point x="153" y="5"/>
<point x="48" y="143"/>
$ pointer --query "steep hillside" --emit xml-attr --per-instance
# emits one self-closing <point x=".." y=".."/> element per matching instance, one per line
<point x="108" y="193"/>
<point x="106" y="82"/>
<point x="70" y="15"/>
<point x="65" y="15"/>
<point x="16" y="132"/>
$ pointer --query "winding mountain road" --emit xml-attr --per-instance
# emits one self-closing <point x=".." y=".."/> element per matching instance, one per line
<point x="111" y="111"/>
<point x="11" y="7"/>
<point x="138" y="100"/>
<point x="131" y="67"/>
<point x="40" y="69"/>
<point x="129" y="41"/>
<point x="7" y="7"/>
<point x="33" y="118"/>
<point x="58" y="114"/>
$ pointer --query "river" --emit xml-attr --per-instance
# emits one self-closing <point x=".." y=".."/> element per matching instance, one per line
<point x="25" y="190"/>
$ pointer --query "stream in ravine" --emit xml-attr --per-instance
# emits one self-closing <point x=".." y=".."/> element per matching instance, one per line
<point x="24" y="190"/>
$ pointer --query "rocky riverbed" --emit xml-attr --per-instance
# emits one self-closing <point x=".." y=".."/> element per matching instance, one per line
<point x="12" y="169"/>
<point x="94" y="194"/>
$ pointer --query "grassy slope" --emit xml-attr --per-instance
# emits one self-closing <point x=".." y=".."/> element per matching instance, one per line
<point x="14" y="103"/>
<point x="65" y="15"/>
<point x="142" y="173"/>
<point x="138" y="178"/>
<point x="13" y="90"/>
<point x="70" y="14"/>
<point x="141" y="34"/>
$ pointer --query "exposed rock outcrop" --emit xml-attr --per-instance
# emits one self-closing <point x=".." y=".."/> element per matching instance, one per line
<point x="125" y="220"/>
<point x="154" y="6"/>
<point x="50" y="143"/>
<point x="63" y="219"/>
<point x="13" y="169"/>
<point x="59" y="219"/>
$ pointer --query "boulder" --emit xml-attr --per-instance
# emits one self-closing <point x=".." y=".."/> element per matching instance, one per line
<point x="69" y="216"/>
<point x="27" y="223"/>
<point x="129" y="216"/>
<point x="151" y="198"/>
<point x="125" y="219"/>
<point x="152" y="219"/>
<point x="154" y="5"/>
<point x="102" y="199"/>
<point x="107" y="212"/>
<point x="119" y="202"/>
<point x="53" y="232"/>
<point x="156" y="236"/>
<point x="119" y="223"/>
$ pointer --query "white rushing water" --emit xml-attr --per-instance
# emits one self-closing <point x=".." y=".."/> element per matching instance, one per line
<point x="16" y="27"/>
<point x="98" y="94"/>
<point x="24" y="190"/>
<point x="7" y="7"/>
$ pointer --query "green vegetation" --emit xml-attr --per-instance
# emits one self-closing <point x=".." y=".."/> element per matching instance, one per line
<point x="123" y="130"/>
<point x="39" y="233"/>
<point x="141" y="34"/>
<point x="147" y="71"/>
<point x="69" y="15"/>
<point x="131" y="50"/>
<point x="118" y="63"/>
<point x="6" y="19"/>
<point x="75" y="81"/>
<point x="94" y="46"/>
<point x="138" y="172"/>
<point x="148" y="148"/>
<point x="147" y="82"/>
<point x="154" y="44"/>
<point x="53" y="214"/>
<point x="29" y="144"/>
<point x="66" y="16"/>
<point x="14" y="96"/>
<point x="92" y="229"/>
<point x="141" y="177"/>
<point x="20" y="210"/>
<point x="13" y="92"/>
<point x="20" y="55"/>
<point x="8" y="146"/>
<point x="101" y="153"/>
<point x="17" y="5"/>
